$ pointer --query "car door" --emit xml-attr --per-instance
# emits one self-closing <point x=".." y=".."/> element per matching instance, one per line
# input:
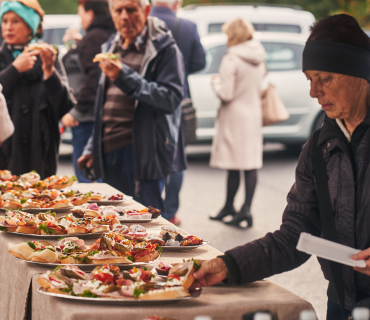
<point x="284" y="61"/>
<point x="204" y="99"/>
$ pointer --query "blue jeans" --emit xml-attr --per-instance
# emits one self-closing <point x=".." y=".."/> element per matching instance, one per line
<point x="119" y="173"/>
<point x="173" y="187"/>
<point x="335" y="312"/>
<point x="81" y="134"/>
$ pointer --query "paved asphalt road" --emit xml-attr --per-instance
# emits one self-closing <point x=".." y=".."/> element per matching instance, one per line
<point x="203" y="194"/>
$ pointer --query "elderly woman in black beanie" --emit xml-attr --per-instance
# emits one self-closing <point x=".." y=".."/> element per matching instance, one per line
<point x="331" y="195"/>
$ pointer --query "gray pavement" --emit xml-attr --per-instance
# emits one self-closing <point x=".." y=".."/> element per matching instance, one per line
<point x="203" y="194"/>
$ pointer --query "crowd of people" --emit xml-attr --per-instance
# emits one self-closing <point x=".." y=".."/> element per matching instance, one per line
<point x="125" y="114"/>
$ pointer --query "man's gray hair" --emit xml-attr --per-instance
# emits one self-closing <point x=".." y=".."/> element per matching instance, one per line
<point x="143" y="3"/>
<point x="168" y="2"/>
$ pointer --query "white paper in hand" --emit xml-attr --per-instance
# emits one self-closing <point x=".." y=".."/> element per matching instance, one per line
<point x="328" y="250"/>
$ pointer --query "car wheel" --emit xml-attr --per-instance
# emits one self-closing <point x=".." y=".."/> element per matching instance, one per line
<point x="294" y="147"/>
<point x="319" y="121"/>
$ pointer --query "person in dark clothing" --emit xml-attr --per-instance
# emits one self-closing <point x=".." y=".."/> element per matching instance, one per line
<point x="84" y="75"/>
<point x="336" y="61"/>
<point x="187" y="39"/>
<point x="137" y="113"/>
<point x="36" y="91"/>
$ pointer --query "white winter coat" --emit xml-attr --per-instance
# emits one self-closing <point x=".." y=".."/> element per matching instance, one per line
<point x="238" y="141"/>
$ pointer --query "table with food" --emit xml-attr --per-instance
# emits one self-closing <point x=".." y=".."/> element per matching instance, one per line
<point x="77" y="251"/>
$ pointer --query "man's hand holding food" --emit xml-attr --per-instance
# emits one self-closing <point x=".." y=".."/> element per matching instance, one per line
<point x="111" y="68"/>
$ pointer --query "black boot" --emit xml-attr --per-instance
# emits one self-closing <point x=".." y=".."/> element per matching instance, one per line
<point x="227" y="210"/>
<point x="243" y="215"/>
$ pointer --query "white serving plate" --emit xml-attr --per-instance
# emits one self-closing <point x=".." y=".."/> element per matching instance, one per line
<point x="89" y="267"/>
<point x="184" y="248"/>
<point x="125" y="301"/>
<point x="328" y="250"/>
<point x="37" y="210"/>
<point x="110" y="202"/>
<point x="56" y="210"/>
<point x="57" y="236"/>
<point x="127" y="220"/>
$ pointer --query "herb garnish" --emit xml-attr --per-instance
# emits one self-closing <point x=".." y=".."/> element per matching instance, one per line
<point x="88" y="294"/>
<point x="91" y="253"/>
<point x="57" y="268"/>
<point x="138" y="292"/>
<point x="159" y="249"/>
<point x="129" y="257"/>
<point x="32" y="245"/>
<point x="44" y="227"/>
<point x="197" y="264"/>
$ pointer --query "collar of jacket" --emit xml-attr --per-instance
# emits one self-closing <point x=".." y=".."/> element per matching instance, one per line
<point x="4" y="51"/>
<point x="330" y="129"/>
<point x="139" y="41"/>
<point x="162" y="10"/>
<point x="159" y="37"/>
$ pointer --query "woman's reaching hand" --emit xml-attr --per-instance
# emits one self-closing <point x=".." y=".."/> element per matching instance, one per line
<point x="211" y="272"/>
<point x="363" y="255"/>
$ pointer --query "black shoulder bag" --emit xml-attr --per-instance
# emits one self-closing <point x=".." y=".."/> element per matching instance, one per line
<point x="75" y="72"/>
<point x="188" y="117"/>
<point x="327" y="221"/>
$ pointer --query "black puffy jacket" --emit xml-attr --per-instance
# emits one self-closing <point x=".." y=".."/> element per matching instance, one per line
<point x="348" y="167"/>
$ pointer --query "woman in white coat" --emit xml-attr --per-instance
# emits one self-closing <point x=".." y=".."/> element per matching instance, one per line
<point x="238" y="143"/>
<point x="6" y="124"/>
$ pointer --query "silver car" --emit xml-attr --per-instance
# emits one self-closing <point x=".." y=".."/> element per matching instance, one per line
<point x="284" y="62"/>
<point x="209" y="18"/>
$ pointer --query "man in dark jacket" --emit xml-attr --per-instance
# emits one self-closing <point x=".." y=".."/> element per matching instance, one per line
<point x="187" y="38"/>
<point x="138" y="111"/>
<point x="83" y="74"/>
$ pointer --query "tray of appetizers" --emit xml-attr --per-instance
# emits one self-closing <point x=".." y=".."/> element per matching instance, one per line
<point x="46" y="224"/>
<point x="123" y="215"/>
<point x="172" y="240"/>
<point x="89" y="267"/>
<point x="34" y="200"/>
<point x="111" y="248"/>
<point x="109" y="285"/>
<point x="108" y="200"/>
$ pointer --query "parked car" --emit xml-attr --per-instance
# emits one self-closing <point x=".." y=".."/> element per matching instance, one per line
<point x="210" y="18"/>
<point x="284" y="62"/>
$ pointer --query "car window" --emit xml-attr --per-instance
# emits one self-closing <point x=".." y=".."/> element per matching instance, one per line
<point x="283" y="56"/>
<point x="270" y="27"/>
<point x="214" y="56"/>
<point x="279" y="57"/>
<point x="53" y="36"/>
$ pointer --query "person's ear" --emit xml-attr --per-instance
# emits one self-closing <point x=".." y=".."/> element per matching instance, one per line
<point x="147" y="11"/>
<point x="91" y="15"/>
<point x="177" y="5"/>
